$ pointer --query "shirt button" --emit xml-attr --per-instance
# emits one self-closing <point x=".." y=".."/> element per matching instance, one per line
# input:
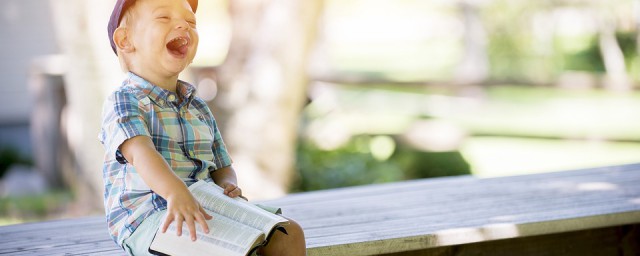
<point x="171" y="98"/>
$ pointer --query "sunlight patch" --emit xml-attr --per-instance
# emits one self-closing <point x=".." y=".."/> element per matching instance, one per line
<point x="597" y="186"/>
<point x="471" y="235"/>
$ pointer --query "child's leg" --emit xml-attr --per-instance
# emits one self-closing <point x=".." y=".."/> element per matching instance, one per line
<point x="290" y="244"/>
<point x="138" y="243"/>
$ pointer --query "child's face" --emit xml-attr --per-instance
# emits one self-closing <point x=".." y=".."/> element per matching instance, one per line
<point x="164" y="36"/>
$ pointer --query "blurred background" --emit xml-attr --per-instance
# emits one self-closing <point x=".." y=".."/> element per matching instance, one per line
<point x="321" y="94"/>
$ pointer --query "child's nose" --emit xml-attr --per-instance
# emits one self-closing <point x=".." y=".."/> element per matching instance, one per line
<point x="183" y="24"/>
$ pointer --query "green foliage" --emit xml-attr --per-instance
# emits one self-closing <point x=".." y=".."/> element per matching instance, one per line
<point x="34" y="207"/>
<point x="419" y="164"/>
<point x="346" y="166"/>
<point x="517" y="53"/>
<point x="627" y="42"/>
<point x="511" y="42"/>
<point x="353" y="165"/>
<point x="588" y="59"/>
<point x="10" y="156"/>
<point x="507" y="55"/>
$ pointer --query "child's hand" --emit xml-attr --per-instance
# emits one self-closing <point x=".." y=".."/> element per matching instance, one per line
<point x="231" y="189"/>
<point x="226" y="178"/>
<point x="182" y="207"/>
<point x="156" y="172"/>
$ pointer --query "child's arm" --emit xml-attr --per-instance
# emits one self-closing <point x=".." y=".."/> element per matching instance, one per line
<point x="157" y="174"/>
<point x="226" y="178"/>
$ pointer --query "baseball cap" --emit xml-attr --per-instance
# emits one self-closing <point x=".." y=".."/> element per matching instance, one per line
<point x="120" y="8"/>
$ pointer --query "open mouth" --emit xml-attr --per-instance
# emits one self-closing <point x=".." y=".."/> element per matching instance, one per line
<point x="178" y="46"/>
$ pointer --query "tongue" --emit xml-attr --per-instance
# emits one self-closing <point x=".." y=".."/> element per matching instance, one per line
<point x="177" y="47"/>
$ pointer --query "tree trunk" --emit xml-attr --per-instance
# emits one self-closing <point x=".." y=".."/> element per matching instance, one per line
<point x="637" y="16"/>
<point x="474" y="66"/>
<point x="92" y="69"/>
<point x="262" y="89"/>
<point x="616" y="78"/>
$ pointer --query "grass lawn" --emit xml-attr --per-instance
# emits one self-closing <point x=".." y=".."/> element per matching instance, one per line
<point x="19" y="209"/>
<point x="500" y="156"/>
<point x="511" y="130"/>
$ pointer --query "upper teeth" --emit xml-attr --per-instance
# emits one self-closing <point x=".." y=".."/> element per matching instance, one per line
<point x="182" y="42"/>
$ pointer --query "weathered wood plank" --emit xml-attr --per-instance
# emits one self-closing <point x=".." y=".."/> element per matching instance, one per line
<point x="406" y="216"/>
<point x="438" y="212"/>
<point x="485" y="206"/>
<point x="459" y="182"/>
<point x="595" y="242"/>
<point x="105" y="246"/>
<point x="46" y="225"/>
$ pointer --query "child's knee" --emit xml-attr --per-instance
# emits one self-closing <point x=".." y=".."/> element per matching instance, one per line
<point x="294" y="229"/>
<point x="292" y="244"/>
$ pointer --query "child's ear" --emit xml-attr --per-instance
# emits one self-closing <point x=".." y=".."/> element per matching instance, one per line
<point x="121" y="39"/>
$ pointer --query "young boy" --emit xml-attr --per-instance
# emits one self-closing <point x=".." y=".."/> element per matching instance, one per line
<point x="158" y="136"/>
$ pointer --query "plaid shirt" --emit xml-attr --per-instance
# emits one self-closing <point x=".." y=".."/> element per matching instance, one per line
<point x="184" y="133"/>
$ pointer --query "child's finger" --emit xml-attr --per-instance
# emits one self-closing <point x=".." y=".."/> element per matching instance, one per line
<point x="166" y="223"/>
<point x="205" y="214"/>
<point x="192" y="227"/>
<point x="179" y="221"/>
<point x="228" y="188"/>
<point x="236" y="192"/>
<point x="232" y="191"/>
<point x="200" y="218"/>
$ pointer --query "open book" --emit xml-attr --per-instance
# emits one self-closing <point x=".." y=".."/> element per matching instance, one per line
<point x="237" y="228"/>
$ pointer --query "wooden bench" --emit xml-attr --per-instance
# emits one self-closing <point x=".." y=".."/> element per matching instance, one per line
<point x="582" y="212"/>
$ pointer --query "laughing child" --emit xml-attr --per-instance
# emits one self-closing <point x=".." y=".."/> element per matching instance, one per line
<point x="159" y="138"/>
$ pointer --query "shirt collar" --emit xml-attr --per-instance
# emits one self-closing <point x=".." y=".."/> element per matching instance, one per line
<point x="161" y="96"/>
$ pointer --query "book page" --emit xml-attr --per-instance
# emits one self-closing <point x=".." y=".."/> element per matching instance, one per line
<point x="225" y="237"/>
<point x="212" y="197"/>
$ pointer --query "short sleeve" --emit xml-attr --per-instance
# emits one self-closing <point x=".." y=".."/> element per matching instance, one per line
<point x="123" y="118"/>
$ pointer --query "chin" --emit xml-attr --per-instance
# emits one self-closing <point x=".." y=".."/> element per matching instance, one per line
<point x="176" y="70"/>
<point x="177" y="65"/>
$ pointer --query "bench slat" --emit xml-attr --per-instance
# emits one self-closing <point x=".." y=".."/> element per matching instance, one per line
<point x="346" y="209"/>
<point x="404" y="216"/>
<point x="436" y="212"/>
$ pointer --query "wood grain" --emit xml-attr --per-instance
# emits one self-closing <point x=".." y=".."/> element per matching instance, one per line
<point x="440" y="214"/>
